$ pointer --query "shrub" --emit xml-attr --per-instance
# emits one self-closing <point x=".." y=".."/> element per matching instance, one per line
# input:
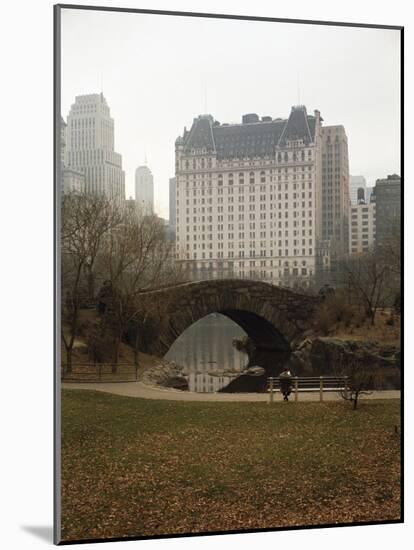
<point x="333" y="311"/>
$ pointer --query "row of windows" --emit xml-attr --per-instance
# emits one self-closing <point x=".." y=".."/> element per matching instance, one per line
<point x="281" y="157"/>
<point x="287" y="213"/>
<point x="241" y="227"/>
<point x="241" y="244"/>
<point x="230" y="265"/>
<point x="220" y="218"/>
<point x="241" y="254"/>
<point x="252" y="199"/>
<point x="252" y="175"/>
<point x="83" y="122"/>
<point x="295" y="156"/>
<point x="242" y="190"/>
<point x="363" y="216"/>
<point x="355" y="225"/>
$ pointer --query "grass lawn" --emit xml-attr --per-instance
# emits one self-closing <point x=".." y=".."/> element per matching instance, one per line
<point x="135" y="467"/>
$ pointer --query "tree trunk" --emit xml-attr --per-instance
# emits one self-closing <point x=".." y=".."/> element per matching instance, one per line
<point x="117" y="344"/>
<point x="136" y="348"/>
<point x="91" y="285"/>
<point x="68" y="360"/>
<point x="355" y="402"/>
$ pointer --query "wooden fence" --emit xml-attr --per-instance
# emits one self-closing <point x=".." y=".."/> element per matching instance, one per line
<point x="100" y="372"/>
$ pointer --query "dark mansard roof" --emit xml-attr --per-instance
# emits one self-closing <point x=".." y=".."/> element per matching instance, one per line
<point x="249" y="139"/>
<point x="201" y="134"/>
<point x="297" y="127"/>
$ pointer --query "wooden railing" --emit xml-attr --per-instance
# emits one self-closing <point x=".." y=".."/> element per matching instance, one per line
<point x="299" y="384"/>
<point x="100" y="372"/>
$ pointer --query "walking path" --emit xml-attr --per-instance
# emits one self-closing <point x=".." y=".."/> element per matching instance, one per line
<point x="138" y="389"/>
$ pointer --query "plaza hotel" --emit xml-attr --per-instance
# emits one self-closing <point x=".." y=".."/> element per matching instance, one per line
<point x="249" y="197"/>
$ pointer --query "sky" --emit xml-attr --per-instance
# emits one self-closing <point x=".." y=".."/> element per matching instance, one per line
<point x="158" y="72"/>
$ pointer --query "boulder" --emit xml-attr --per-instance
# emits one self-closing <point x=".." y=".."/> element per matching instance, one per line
<point x="334" y="351"/>
<point x="166" y="374"/>
<point x="330" y="355"/>
<point x="254" y="371"/>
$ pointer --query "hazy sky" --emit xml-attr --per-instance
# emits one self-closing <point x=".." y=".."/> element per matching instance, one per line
<point x="159" y="72"/>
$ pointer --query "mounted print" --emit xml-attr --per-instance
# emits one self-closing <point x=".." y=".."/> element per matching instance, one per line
<point x="228" y="274"/>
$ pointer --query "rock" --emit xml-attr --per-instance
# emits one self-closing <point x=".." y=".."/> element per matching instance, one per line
<point x="330" y="355"/>
<point x="320" y="351"/>
<point x="254" y="371"/>
<point x="166" y="374"/>
<point x="331" y="351"/>
<point x="177" y="382"/>
<point x="224" y="372"/>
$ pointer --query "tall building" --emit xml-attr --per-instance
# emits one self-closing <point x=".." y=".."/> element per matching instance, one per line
<point x="144" y="189"/>
<point x="72" y="181"/>
<point x="355" y="183"/>
<point x="335" y="189"/>
<point x="368" y="193"/>
<point x="172" y="220"/>
<point x="90" y="146"/>
<point x="63" y="129"/>
<point x="362" y="227"/>
<point x="249" y="197"/>
<point x="387" y="194"/>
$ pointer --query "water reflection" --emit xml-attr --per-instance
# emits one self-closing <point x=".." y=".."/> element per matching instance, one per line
<point x="205" y="351"/>
<point x="212" y="364"/>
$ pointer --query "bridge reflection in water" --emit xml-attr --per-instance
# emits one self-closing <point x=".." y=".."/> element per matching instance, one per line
<point x="210" y="361"/>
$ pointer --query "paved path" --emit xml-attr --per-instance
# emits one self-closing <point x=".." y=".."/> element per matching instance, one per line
<point x="138" y="389"/>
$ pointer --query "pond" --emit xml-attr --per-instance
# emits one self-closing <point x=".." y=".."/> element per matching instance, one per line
<point x="211" y="363"/>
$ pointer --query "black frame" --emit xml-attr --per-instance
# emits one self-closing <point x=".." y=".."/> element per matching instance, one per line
<point x="56" y="257"/>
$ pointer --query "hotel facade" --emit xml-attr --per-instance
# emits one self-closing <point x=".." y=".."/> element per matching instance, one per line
<point x="249" y="198"/>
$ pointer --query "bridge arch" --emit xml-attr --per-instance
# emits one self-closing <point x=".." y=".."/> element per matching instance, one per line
<point x="272" y="316"/>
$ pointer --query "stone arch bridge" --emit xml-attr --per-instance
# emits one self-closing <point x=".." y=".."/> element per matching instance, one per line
<point x="272" y="316"/>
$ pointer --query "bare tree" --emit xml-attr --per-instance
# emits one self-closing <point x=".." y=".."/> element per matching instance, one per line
<point x="137" y="256"/>
<point x="130" y="251"/>
<point x="86" y="219"/>
<point x="362" y="379"/>
<point x="366" y="276"/>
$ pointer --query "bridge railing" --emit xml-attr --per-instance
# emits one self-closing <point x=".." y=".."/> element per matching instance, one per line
<point x="99" y="372"/>
<point x="299" y="384"/>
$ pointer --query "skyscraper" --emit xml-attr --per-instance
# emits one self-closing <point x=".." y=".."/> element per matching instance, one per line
<point x="172" y="221"/>
<point x="355" y="183"/>
<point x="387" y="193"/>
<point x="144" y="189"/>
<point x="90" y="146"/>
<point x="335" y="189"/>
<point x="72" y="181"/>
<point x="362" y="227"/>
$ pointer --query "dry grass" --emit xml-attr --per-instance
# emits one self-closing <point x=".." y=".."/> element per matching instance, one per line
<point x="336" y="317"/>
<point x="133" y="467"/>
<point x="381" y="332"/>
